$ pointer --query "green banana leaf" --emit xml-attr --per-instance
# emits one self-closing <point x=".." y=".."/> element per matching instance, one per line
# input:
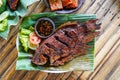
<point x="84" y="62"/>
<point x="14" y="16"/>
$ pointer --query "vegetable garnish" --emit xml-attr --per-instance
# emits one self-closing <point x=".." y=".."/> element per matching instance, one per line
<point x="29" y="39"/>
<point x="34" y="41"/>
<point x="4" y="15"/>
<point x="3" y="25"/>
<point x="24" y="37"/>
<point x="24" y="41"/>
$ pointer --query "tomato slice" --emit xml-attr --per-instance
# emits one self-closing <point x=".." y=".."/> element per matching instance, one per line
<point x="34" y="39"/>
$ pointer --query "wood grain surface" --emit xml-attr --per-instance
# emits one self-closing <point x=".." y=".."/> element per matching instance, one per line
<point x="107" y="47"/>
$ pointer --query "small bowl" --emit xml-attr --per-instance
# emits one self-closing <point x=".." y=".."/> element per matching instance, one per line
<point x="44" y="30"/>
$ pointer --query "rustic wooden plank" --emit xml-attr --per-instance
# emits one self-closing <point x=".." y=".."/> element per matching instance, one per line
<point x="19" y="75"/>
<point x="85" y="6"/>
<point x="95" y="6"/>
<point x="52" y="76"/>
<point x="59" y="77"/>
<point x="7" y="62"/>
<point x="107" y="33"/>
<point x="116" y="74"/>
<point x="40" y="7"/>
<point x="113" y="60"/>
<point x="4" y="42"/>
<point x="40" y="76"/>
<point x="66" y="75"/>
<point x="105" y="59"/>
<point x="111" y="42"/>
<point x="105" y="7"/>
<point x="29" y="75"/>
<point x="114" y="9"/>
<point x="89" y="74"/>
<point x="74" y="75"/>
<point x="33" y="6"/>
<point x="9" y="72"/>
<point x="6" y="50"/>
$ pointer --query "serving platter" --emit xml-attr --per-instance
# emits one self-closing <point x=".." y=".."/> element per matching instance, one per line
<point x="84" y="62"/>
<point x="80" y="3"/>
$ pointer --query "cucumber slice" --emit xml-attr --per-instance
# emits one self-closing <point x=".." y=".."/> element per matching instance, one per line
<point x="32" y="46"/>
<point x="4" y="15"/>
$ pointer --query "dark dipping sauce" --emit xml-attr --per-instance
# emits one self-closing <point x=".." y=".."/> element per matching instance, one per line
<point x="44" y="27"/>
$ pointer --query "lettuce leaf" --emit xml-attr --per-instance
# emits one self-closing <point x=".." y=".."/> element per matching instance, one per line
<point x="3" y="25"/>
<point x="24" y="41"/>
<point x="25" y="31"/>
<point x="24" y="37"/>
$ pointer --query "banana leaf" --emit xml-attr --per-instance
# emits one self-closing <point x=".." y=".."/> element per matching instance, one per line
<point x="14" y="16"/>
<point x="84" y="62"/>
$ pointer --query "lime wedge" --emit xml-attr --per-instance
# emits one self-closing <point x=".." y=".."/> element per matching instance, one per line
<point x="4" y="15"/>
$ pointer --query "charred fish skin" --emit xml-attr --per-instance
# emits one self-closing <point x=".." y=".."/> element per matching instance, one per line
<point x="13" y="4"/>
<point x="66" y="43"/>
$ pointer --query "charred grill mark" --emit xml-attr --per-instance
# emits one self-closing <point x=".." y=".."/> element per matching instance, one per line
<point x="64" y="38"/>
<point x="48" y="59"/>
<point x="70" y="35"/>
<point x="66" y="33"/>
<point x="57" y="38"/>
<point x="51" y="46"/>
<point x="54" y="48"/>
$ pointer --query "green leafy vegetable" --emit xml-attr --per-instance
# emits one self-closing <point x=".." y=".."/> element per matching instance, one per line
<point x="25" y="31"/>
<point x="24" y="41"/>
<point x="84" y="62"/>
<point x="31" y="28"/>
<point x="3" y="25"/>
<point x="3" y="21"/>
<point x="4" y="15"/>
<point x="24" y="37"/>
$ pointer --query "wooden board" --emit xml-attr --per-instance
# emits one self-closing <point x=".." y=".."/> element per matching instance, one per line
<point x="107" y="47"/>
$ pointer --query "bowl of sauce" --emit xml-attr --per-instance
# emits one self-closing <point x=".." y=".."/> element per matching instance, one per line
<point x="44" y="27"/>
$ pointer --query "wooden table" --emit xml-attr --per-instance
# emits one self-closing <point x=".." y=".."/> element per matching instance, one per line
<point x="107" y="48"/>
